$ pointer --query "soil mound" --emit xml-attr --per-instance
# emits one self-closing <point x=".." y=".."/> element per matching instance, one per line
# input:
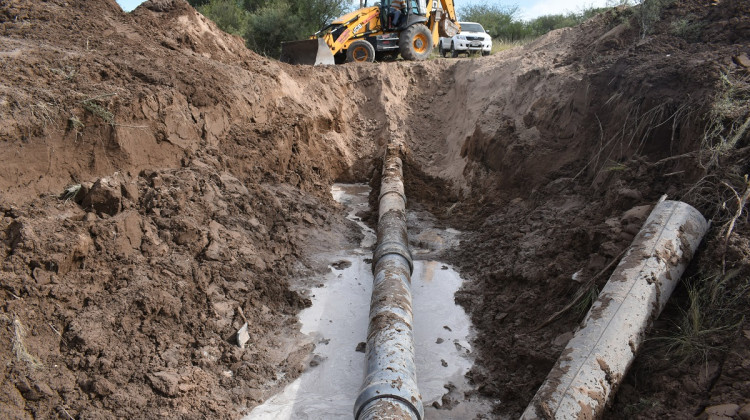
<point x="152" y="88"/>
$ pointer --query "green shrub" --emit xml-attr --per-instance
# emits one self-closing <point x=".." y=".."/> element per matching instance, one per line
<point x="271" y="25"/>
<point x="504" y="23"/>
<point x="265" y="24"/>
<point x="100" y="111"/>
<point x="227" y="14"/>
<point x="499" y="21"/>
<point x="686" y="29"/>
<point x="649" y="13"/>
<point x="713" y="314"/>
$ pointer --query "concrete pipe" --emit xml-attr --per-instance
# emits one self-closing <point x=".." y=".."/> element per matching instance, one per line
<point x="596" y="359"/>
<point x="390" y="388"/>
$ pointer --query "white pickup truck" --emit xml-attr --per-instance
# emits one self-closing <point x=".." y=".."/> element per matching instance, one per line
<point x="472" y="38"/>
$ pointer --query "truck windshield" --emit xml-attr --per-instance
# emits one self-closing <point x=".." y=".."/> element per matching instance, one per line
<point x="471" y="27"/>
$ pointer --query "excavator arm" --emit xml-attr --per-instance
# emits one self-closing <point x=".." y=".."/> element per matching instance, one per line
<point x="442" y="21"/>
<point x="449" y="10"/>
<point x="329" y="41"/>
<point x="350" y="26"/>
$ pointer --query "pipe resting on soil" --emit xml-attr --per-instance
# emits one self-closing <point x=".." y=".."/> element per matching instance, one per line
<point x="596" y="359"/>
<point x="390" y="388"/>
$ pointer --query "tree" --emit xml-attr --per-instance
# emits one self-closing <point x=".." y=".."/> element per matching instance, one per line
<point x="271" y="25"/>
<point x="197" y="3"/>
<point x="504" y="23"/>
<point x="265" y="24"/>
<point x="227" y="14"/>
<point x="498" y="21"/>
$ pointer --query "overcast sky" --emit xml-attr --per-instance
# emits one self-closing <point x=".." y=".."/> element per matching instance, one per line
<point x="529" y="8"/>
<point x="535" y="8"/>
<point x="128" y="5"/>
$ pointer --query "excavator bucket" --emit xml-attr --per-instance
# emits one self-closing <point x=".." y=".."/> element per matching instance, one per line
<point x="448" y="28"/>
<point x="313" y="52"/>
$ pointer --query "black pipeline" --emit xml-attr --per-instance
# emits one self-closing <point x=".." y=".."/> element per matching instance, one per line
<point x="390" y="388"/>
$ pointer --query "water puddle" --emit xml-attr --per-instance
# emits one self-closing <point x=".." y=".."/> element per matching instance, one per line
<point x="337" y="323"/>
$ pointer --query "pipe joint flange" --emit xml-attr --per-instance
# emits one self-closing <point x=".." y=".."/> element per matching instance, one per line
<point x="391" y="247"/>
<point x="412" y="401"/>
<point x="392" y="189"/>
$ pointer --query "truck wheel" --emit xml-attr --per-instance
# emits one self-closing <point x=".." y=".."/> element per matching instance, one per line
<point x="485" y="53"/>
<point x="454" y="53"/>
<point x="415" y="42"/>
<point x="360" y="51"/>
<point x="441" y="51"/>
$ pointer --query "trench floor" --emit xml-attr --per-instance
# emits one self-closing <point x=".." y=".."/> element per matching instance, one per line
<point x="337" y="325"/>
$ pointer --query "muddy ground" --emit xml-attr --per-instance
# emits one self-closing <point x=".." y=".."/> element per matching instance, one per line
<point x="160" y="184"/>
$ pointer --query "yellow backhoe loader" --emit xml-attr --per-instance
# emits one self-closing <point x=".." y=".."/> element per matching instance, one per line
<point x="368" y="34"/>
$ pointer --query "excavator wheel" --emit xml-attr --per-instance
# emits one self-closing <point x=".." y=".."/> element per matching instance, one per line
<point x="415" y="42"/>
<point x="360" y="51"/>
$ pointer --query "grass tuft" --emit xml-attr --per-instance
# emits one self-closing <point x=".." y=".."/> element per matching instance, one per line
<point x="68" y="73"/>
<point x="99" y="111"/>
<point x="19" y="347"/>
<point x="686" y="29"/>
<point x="44" y="111"/>
<point x="75" y="124"/>
<point x="93" y="106"/>
<point x="70" y="192"/>
<point x="729" y="118"/>
<point x="499" y="45"/>
<point x="613" y="166"/>
<point x="712" y="315"/>
<point x="588" y="298"/>
<point x="649" y="13"/>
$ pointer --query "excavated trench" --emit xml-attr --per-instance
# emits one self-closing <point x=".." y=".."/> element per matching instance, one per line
<point x="551" y="167"/>
<point x="337" y="324"/>
<point x="207" y="204"/>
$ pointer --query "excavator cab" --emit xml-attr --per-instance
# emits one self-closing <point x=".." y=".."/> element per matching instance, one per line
<point x="414" y="13"/>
